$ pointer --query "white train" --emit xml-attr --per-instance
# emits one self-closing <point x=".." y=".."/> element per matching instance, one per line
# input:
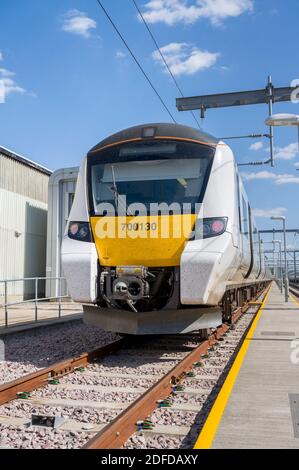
<point x="160" y="237"/>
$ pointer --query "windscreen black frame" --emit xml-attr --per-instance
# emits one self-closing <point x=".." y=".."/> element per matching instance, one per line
<point x="184" y="150"/>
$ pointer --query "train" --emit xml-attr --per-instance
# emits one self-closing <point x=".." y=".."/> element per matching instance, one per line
<point x="161" y="238"/>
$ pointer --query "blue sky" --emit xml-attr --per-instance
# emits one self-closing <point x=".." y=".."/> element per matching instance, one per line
<point x="69" y="82"/>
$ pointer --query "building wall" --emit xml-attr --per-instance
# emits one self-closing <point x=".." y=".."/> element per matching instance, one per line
<point x="22" y="179"/>
<point x="23" y="224"/>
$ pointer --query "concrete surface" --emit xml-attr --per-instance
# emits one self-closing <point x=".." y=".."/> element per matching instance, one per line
<point x="258" y="413"/>
<point x="22" y="316"/>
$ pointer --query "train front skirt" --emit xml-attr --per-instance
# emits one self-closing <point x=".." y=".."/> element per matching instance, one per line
<point x="153" y="322"/>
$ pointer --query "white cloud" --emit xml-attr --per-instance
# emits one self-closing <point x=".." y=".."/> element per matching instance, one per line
<point x="267" y="175"/>
<point x="77" y="22"/>
<point x="260" y="175"/>
<point x="6" y="73"/>
<point x="177" y="11"/>
<point x="8" y="85"/>
<point x="185" y="59"/>
<point x="120" y="55"/>
<point x="287" y="179"/>
<point x="1" y="56"/>
<point x="267" y="213"/>
<point x="256" y="146"/>
<point x="288" y="152"/>
<point x="296" y="165"/>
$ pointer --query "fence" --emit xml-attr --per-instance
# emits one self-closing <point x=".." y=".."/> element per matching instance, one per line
<point x="36" y="299"/>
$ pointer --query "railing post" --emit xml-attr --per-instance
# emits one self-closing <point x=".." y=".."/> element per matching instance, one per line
<point x="5" y="303"/>
<point x="59" y="298"/>
<point x="35" y="300"/>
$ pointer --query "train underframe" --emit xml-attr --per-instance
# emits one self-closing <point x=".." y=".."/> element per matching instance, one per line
<point x="144" y="301"/>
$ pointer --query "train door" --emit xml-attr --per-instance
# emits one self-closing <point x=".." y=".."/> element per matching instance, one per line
<point x="256" y="251"/>
<point x="67" y="194"/>
<point x="245" y="224"/>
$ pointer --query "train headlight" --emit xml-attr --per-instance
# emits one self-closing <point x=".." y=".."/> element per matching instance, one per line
<point x="211" y="227"/>
<point x="79" y="231"/>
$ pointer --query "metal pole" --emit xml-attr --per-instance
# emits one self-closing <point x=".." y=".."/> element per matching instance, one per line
<point x="274" y="241"/>
<point x="59" y="297"/>
<point x="271" y="133"/>
<point x="280" y="264"/>
<point x="286" y="281"/>
<point x="35" y="300"/>
<point x="5" y="303"/>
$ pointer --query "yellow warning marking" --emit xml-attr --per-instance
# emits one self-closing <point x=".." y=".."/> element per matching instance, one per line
<point x="210" y="427"/>
<point x="294" y="299"/>
<point x="142" y="240"/>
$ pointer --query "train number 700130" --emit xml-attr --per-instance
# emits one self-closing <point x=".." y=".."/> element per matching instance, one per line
<point x="139" y="226"/>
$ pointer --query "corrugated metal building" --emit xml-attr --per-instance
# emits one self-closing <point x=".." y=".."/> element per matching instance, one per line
<point x="23" y="220"/>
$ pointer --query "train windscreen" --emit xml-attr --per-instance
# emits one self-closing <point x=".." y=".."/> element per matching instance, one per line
<point x="164" y="174"/>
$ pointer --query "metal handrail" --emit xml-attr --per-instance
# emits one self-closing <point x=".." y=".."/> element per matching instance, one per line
<point x="30" y="279"/>
<point x="36" y="299"/>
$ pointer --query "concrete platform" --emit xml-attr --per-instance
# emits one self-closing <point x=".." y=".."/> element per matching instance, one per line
<point x="22" y="316"/>
<point x="257" y="407"/>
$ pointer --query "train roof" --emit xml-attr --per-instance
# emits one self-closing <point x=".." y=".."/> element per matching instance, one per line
<point x="160" y="130"/>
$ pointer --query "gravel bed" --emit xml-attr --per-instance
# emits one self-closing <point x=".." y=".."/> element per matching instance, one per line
<point x="51" y="344"/>
<point x="121" y="397"/>
<point x="219" y="362"/>
<point x="144" y="369"/>
<point x="200" y="383"/>
<point x="81" y="379"/>
<point x="152" y="354"/>
<point x="191" y="399"/>
<point x="40" y="438"/>
<point x="167" y="416"/>
<point x="216" y="362"/>
<point x="140" y="441"/>
<point x="28" y="351"/>
<point x="202" y="371"/>
<point x="83" y="415"/>
<point x="136" y="362"/>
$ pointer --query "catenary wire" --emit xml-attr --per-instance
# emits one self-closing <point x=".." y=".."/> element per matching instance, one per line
<point x="163" y="57"/>
<point x="136" y="60"/>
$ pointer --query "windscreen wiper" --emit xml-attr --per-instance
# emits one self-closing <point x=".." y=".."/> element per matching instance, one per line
<point x="117" y="197"/>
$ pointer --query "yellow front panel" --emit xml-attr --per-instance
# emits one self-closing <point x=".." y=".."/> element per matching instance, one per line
<point x="143" y="241"/>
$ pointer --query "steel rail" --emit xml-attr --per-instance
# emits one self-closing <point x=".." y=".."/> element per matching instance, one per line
<point x="35" y="380"/>
<point x="294" y="290"/>
<point x="118" y="431"/>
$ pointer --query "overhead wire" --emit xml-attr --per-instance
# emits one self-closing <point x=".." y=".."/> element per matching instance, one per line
<point x="136" y="60"/>
<point x="163" y="57"/>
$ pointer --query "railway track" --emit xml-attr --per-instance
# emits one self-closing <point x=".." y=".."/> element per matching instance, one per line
<point x="142" y="393"/>
<point x="294" y="289"/>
